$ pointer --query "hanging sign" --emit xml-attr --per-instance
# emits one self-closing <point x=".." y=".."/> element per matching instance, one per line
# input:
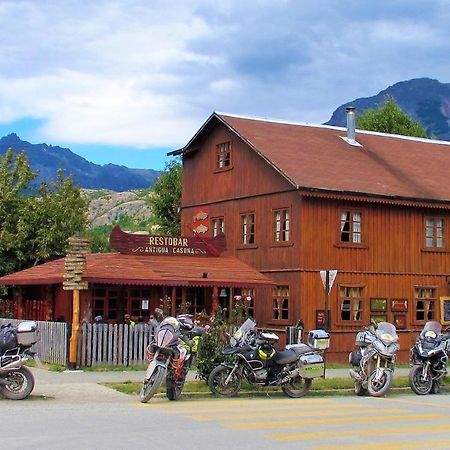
<point x="331" y="277"/>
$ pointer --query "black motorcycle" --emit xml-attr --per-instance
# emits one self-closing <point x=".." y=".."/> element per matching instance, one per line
<point x="258" y="362"/>
<point x="429" y="360"/>
<point x="16" y="380"/>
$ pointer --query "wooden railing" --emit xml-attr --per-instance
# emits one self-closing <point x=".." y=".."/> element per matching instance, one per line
<point x="101" y="344"/>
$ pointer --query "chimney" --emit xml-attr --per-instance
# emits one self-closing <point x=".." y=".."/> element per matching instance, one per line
<point x="351" y="123"/>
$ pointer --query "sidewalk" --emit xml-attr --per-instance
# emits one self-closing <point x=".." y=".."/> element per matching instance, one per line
<point x="80" y="376"/>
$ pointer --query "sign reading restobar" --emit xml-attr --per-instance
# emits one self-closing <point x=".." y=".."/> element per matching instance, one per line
<point x="144" y="244"/>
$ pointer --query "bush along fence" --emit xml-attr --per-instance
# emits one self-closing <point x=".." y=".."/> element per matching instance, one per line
<point x="53" y="344"/>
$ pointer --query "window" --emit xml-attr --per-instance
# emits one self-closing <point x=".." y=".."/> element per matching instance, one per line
<point x="281" y="225"/>
<point x="281" y="303"/>
<point x="351" y="227"/>
<point x="248" y="228"/>
<point x="351" y="303"/>
<point x="223" y="155"/>
<point x="425" y="303"/>
<point x="434" y="232"/>
<point x="218" y="225"/>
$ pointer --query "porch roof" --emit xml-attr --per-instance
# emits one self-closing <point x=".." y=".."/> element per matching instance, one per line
<point x="116" y="268"/>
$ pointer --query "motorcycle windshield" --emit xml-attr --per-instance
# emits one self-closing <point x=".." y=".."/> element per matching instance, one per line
<point x="432" y="329"/>
<point x="248" y="325"/>
<point x="165" y="337"/>
<point x="386" y="332"/>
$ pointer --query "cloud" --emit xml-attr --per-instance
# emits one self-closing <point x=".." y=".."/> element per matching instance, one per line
<point x="142" y="74"/>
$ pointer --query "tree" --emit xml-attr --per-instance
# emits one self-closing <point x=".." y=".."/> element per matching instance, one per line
<point x="390" y="119"/>
<point x="166" y="199"/>
<point x="35" y="225"/>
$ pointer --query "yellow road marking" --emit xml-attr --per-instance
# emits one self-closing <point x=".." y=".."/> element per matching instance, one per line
<point x="362" y="432"/>
<point x="331" y="421"/>
<point x="423" y="402"/>
<point x="391" y="445"/>
<point x="214" y="415"/>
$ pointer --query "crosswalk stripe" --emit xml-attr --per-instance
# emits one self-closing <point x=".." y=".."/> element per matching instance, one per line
<point x="214" y="415"/>
<point x="331" y="421"/>
<point x="391" y="445"/>
<point x="362" y="432"/>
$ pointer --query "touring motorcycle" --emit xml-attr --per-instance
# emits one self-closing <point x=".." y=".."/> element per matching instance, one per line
<point x="374" y="359"/>
<point x="170" y="356"/>
<point x="429" y="360"/>
<point x="17" y="380"/>
<point x="256" y="361"/>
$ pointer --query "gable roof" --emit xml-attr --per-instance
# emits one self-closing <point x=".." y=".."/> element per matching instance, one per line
<point x="115" y="268"/>
<point x="315" y="157"/>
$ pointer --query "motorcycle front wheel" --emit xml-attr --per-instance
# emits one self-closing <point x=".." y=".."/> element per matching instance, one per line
<point x="217" y="379"/>
<point x="359" y="390"/>
<point x="19" y="384"/>
<point x="297" y="387"/>
<point x="417" y="383"/>
<point x="150" y="386"/>
<point x="379" y="388"/>
<point x="174" y="388"/>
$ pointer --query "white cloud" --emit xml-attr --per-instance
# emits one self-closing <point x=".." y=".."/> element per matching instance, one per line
<point x="137" y="72"/>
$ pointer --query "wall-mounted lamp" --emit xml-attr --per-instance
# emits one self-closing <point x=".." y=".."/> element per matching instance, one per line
<point x="223" y="293"/>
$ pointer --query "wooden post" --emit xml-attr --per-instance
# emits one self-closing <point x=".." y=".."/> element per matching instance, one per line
<point x="75" y="264"/>
<point x="215" y="300"/>
<point x="75" y="329"/>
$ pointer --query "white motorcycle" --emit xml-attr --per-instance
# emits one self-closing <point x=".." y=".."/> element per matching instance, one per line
<point x="374" y="360"/>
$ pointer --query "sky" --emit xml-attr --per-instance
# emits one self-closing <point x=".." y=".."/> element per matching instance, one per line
<point x="127" y="81"/>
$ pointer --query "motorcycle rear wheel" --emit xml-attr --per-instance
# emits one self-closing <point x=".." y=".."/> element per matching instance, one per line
<point x="417" y="383"/>
<point x="379" y="388"/>
<point x="150" y="386"/>
<point x="20" y="384"/>
<point x="297" y="387"/>
<point x="216" y="381"/>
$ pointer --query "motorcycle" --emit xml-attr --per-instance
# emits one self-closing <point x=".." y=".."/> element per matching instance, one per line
<point x="170" y="356"/>
<point x="429" y="360"/>
<point x="373" y="361"/>
<point x="17" y="380"/>
<point x="256" y="361"/>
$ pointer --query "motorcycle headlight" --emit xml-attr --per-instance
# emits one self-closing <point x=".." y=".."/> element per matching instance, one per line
<point x="387" y="338"/>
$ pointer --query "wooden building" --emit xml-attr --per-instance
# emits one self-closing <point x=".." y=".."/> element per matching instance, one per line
<point x="295" y="199"/>
<point x="177" y="273"/>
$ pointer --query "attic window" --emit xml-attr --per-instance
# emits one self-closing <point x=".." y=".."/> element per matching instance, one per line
<point x="223" y="155"/>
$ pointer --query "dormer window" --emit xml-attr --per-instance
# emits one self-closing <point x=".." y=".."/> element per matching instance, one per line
<point x="223" y="155"/>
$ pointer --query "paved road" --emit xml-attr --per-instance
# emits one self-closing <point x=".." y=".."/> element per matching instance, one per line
<point x="84" y="414"/>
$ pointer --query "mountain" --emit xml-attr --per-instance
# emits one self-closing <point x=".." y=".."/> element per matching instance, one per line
<point x="424" y="99"/>
<point x="47" y="159"/>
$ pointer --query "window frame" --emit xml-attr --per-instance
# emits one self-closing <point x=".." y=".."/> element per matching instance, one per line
<point x="243" y="241"/>
<point x="217" y="230"/>
<point x="281" y="224"/>
<point x="434" y="236"/>
<point x="280" y="294"/>
<point x="352" y="232"/>
<point x="226" y="160"/>
<point x="433" y="307"/>
<point x="361" y="309"/>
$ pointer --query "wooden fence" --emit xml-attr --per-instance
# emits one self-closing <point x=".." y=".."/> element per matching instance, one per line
<point x="52" y="346"/>
<point x="101" y="344"/>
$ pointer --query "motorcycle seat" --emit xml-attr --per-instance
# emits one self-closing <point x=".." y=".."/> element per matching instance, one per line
<point x="288" y="356"/>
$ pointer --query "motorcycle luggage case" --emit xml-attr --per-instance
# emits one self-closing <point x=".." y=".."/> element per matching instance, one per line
<point x="318" y="339"/>
<point x="27" y="333"/>
<point x="313" y="366"/>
